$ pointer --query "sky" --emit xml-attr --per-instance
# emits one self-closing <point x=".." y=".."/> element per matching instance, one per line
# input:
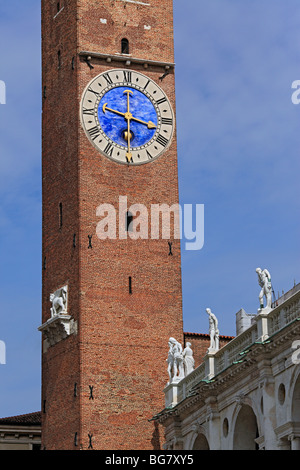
<point x="238" y="154"/>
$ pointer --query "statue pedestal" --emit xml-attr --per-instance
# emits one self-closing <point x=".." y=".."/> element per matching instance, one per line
<point x="171" y="392"/>
<point x="56" y="329"/>
<point x="262" y="323"/>
<point x="210" y="364"/>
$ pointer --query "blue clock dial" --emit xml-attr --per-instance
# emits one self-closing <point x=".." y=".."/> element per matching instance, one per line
<point x="115" y="125"/>
<point x="127" y="117"/>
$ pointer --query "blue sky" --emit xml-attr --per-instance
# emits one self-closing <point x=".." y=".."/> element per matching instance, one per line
<point x="238" y="153"/>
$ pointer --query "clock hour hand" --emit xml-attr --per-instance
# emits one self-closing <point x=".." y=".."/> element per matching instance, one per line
<point x="106" y="108"/>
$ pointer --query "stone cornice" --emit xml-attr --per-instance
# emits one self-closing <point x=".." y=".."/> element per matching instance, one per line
<point x="127" y="60"/>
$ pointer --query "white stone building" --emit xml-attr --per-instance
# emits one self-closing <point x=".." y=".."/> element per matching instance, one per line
<point x="245" y="395"/>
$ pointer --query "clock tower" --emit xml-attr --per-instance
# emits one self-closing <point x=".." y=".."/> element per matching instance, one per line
<point x="112" y="297"/>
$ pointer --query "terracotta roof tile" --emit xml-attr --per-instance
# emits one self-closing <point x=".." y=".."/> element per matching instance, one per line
<point x="30" y="419"/>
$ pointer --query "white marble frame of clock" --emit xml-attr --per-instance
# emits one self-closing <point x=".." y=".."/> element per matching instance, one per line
<point x="91" y="98"/>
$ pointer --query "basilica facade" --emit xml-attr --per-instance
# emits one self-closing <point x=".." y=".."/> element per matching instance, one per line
<point x="246" y="394"/>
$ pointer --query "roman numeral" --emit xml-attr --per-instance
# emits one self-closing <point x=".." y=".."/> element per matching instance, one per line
<point x="109" y="149"/>
<point x="162" y="100"/>
<point x="146" y="84"/>
<point x="162" y="140"/>
<point x="107" y="78"/>
<point x="167" y="121"/>
<point x="93" y="91"/>
<point x="149" y="155"/>
<point x="127" y="76"/>
<point x="88" y="111"/>
<point x="94" y="132"/>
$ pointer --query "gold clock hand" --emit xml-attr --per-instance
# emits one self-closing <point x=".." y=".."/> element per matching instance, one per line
<point x="128" y="116"/>
<point x="106" y="108"/>
<point x="149" y="124"/>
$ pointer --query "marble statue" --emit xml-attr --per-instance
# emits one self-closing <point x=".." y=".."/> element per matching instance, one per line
<point x="264" y="280"/>
<point x="59" y="301"/>
<point x="175" y="360"/>
<point x="213" y="331"/>
<point x="188" y="359"/>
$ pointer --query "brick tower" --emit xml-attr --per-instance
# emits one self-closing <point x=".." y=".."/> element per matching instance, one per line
<point x="110" y="304"/>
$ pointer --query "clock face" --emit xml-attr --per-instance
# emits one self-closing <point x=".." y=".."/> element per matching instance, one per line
<point x="127" y="117"/>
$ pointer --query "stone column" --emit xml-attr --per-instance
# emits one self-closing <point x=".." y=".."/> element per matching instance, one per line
<point x="213" y="423"/>
<point x="268" y="405"/>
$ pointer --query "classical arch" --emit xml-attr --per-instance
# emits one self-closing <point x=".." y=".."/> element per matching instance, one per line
<point x="200" y="443"/>
<point x="295" y="403"/>
<point x="245" y="429"/>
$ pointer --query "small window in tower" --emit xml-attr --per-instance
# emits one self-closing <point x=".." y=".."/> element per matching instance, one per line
<point x="58" y="6"/>
<point x="125" y="46"/>
<point x="130" y="284"/>
<point x="60" y="215"/>
<point x="58" y="60"/>
<point x="129" y="222"/>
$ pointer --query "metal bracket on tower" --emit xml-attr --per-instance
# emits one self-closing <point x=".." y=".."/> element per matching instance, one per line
<point x="165" y="74"/>
<point x="90" y="241"/>
<point x="88" y="59"/>
<point x="170" y="249"/>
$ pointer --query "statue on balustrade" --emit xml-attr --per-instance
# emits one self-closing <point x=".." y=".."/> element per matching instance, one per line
<point x="213" y="331"/>
<point x="188" y="359"/>
<point x="264" y="280"/>
<point x="175" y="360"/>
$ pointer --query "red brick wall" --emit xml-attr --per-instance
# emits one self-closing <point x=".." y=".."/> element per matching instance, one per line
<point x="60" y="365"/>
<point x="127" y="20"/>
<point x="122" y="342"/>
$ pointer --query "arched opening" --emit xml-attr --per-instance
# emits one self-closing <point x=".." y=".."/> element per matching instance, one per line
<point x="246" y="430"/>
<point x="200" y="443"/>
<point x="296" y="402"/>
<point x="295" y="437"/>
<point x="124" y="46"/>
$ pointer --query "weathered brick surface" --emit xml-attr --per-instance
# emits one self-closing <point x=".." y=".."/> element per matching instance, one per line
<point x="122" y="342"/>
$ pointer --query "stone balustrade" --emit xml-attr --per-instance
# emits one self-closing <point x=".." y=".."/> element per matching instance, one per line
<point x="263" y="326"/>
